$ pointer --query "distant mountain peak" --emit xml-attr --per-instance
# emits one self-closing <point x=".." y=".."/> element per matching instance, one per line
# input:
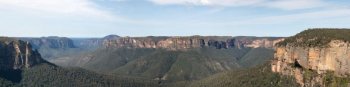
<point x="112" y="36"/>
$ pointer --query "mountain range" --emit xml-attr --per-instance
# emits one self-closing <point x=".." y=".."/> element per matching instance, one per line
<point x="312" y="58"/>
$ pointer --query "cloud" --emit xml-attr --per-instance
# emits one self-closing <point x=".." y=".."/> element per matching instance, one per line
<point x="290" y="19"/>
<point x="294" y="4"/>
<point x="66" y="7"/>
<point x="300" y="17"/>
<point x="280" y="4"/>
<point x="208" y="2"/>
<point x="307" y="17"/>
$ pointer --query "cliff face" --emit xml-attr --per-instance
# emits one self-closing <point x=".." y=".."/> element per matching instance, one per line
<point x="51" y="42"/>
<point x="18" y="55"/>
<point x="296" y="61"/>
<point x="174" y="43"/>
<point x="261" y="42"/>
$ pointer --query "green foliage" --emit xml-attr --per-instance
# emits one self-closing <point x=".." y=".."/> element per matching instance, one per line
<point x="107" y="60"/>
<point x="171" y="66"/>
<point x="180" y="65"/>
<point x="330" y="80"/>
<point x="5" y="83"/>
<point x="261" y="76"/>
<point x="256" y="56"/>
<point x="319" y="37"/>
<point x="51" y="76"/>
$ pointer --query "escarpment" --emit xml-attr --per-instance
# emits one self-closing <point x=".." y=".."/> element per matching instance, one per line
<point x="174" y="43"/>
<point x="309" y="60"/>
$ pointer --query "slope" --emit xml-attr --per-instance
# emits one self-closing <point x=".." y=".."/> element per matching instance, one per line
<point x="168" y="65"/>
<point x="260" y="76"/>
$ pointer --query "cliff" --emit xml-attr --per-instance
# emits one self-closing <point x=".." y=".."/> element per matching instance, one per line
<point x="310" y="60"/>
<point x="174" y="43"/>
<point x="16" y="54"/>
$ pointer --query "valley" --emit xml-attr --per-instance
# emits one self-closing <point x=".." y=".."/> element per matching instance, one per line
<point x="174" y="43"/>
<point x="306" y="59"/>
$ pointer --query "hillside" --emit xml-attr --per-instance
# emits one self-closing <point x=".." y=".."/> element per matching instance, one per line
<point x="46" y="75"/>
<point x="49" y="76"/>
<point x="318" y="37"/>
<point x="260" y="76"/>
<point x="168" y="65"/>
<point x="21" y="66"/>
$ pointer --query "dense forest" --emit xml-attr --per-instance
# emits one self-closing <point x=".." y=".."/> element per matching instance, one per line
<point x="47" y="75"/>
<point x="318" y="37"/>
<point x="172" y="66"/>
<point x="260" y="76"/>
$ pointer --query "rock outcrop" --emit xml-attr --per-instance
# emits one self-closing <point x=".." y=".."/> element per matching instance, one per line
<point x="312" y="55"/>
<point x="17" y="54"/>
<point x="174" y="43"/>
<point x="260" y="42"/>
<point x="290" y="60"/>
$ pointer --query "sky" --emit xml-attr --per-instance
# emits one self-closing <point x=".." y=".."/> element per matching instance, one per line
<point x="98" y="18"/>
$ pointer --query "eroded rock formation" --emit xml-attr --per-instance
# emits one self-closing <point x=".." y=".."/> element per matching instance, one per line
<point x="298" y="61"/>
<point x="18" y="54"/>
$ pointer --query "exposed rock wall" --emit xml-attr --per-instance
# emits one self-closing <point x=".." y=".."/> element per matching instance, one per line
<point x="167" y="43"/>
<point x="18" y="55"/>
<point x="174" y="43"/>
<point x="296" y="61"/>
<point x="262" y="43"/>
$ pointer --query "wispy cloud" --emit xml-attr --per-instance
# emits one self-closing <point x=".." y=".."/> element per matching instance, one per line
<point x="294" y="4"/>
<point x="208" y="2"/>
<point x="61" y="7"/>
<point x="306" y="17"/>
<point x="299" y="17"/>
<point x="280" y="4"/>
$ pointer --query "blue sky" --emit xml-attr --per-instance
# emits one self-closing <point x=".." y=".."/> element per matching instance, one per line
<point x="98" y="18"/>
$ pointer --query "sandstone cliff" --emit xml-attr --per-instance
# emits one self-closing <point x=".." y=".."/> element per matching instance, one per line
<point x="18" y="54"/>
<point x="174" y="43"/>
<point x="309" y="57"/>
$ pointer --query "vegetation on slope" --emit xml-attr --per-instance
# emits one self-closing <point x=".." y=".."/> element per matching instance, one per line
<point x="46" y="75"/>
<point x="256" y="57"/>
<point x="331" y="80"/>
<point x="5" y="83"/>
<point x="165" y="64"/>
<point x="170" y="66"/>
<point x="318" y="37"/>
<point x="49" y="76"/>
<point x="261" y="76"/>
